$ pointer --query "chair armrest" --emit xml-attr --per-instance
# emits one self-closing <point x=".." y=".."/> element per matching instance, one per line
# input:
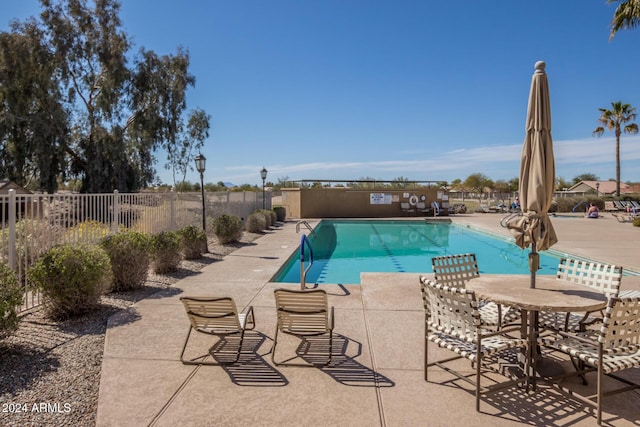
<point x="249" y="318"/>
<point x="331" y="319"/>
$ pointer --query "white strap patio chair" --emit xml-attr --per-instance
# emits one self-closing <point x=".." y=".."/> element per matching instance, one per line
<point x="452" y="322"/>
<point x="615" y="347"/>
<point x="455" y="271"/>
<point x="216" y="316"/>
<point x="601" y="278"/>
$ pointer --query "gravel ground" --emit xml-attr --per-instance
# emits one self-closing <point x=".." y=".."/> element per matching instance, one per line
<point x="50" y="370"/>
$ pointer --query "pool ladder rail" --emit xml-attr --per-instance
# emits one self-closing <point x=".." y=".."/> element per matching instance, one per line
<point x="303" y="271"/>
<point x="306" y="224"/>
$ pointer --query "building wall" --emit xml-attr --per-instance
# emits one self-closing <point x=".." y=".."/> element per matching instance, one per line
<point x="352" y="203"/>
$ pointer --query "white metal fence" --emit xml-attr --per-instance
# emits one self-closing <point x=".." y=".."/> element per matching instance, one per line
<point x="30" y="224"/>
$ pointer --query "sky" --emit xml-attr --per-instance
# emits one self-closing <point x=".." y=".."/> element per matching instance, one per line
<point x="420" y="89"/>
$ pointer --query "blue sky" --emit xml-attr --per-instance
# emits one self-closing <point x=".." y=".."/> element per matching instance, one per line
<point x="426" y="90"/>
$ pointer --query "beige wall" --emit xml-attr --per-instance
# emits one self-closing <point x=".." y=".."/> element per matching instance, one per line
<point x="349" y="203"/>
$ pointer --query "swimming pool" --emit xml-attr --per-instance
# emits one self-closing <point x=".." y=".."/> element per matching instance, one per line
<point x="342" y="249"/>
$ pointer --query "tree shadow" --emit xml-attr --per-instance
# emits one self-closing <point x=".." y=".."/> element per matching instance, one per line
<point x="21" y="366"/>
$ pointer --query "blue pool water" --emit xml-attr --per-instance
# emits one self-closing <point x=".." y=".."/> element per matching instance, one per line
<point x="342" y="249"/>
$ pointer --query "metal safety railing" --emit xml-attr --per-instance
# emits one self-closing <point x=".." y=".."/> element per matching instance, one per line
<point x="303" y="271"/>
<point x="306" y="224"/>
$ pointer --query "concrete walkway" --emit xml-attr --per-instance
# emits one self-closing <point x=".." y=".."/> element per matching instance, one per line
<point x="376" y="379"/>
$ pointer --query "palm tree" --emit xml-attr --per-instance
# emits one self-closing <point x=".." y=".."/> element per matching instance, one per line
<point x="614" y="119"/>
<point x="627" y="15"/>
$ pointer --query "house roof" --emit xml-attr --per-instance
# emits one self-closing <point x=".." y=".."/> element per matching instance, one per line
<point x="606" y="187"/>
<point x="5" y="186"/>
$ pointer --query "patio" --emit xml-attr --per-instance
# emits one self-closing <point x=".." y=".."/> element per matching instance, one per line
<point x="377" y="376"/>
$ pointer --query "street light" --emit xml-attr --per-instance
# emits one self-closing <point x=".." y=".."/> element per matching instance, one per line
<point x="263" y="175"/>
<point x="201" y="163"/>
<point x="597" y="190"/>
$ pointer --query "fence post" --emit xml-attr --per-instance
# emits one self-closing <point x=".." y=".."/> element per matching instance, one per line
<point x="172" y="223"/>
<point x="116" y="211"/>
<point x="12" y="229"/>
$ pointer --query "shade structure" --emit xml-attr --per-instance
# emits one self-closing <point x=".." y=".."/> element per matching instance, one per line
<point x="537" y="174"/>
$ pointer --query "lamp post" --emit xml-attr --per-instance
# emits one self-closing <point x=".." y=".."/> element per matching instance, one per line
<point x="263" y="175"/>
<point x="597" y="190"/>
<point x="201" y="163"/>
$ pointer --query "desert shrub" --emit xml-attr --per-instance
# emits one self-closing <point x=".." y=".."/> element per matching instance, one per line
<point x="227" y="228"/>
<point x="71" y="278"/>
<point x="566" y="204"/>
<point x="256" y="222"/>
<point x="281" y="213"/>
<point x="10" y="297"/>
<point x="272" y="216"/>
<point x="130" y="259"/>
<point x="193" y="241"/>
<point x="636" y="222"/>
<point x="267" y="217"/>
<point x="165" y="247"/>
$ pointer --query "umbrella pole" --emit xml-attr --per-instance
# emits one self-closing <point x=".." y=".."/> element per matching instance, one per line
<point x="534" y="264"/>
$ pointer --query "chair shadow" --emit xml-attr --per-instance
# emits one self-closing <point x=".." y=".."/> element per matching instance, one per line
<point x="343" y="368"/>
<point x="251" y="369"/>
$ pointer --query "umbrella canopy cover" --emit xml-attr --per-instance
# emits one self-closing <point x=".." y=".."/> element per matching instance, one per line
<point x="537" y="170"/>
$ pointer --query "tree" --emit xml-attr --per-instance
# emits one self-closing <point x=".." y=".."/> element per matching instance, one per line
<point x="585" y="177"/>
<point x="103" y="119"/>
<point x="626" y="15"/>
<point x="616" y="119"/>
<point x="477" y="182"/>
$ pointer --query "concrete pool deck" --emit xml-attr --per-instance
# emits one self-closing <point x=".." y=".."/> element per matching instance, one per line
<point x="376" y="377"/>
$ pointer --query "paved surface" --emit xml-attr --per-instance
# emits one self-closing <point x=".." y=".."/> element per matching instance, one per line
<point x="376" y="378"/>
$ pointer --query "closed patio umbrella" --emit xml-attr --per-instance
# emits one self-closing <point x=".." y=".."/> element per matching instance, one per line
<point x="537" y="175"/>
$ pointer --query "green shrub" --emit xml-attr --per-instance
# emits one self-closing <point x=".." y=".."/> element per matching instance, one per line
<point x="256" y="222"/>
<point x="227" y="228"/>
<point x="636" y="222"/>
<point x="272" y="216"/>
<point x="10" y="297"/>
<point x="130" y="259"/>
<point x="71" y="278"/>
<point x="281" y="213"/>
<point x="193" y="241"/>
<point x="267" y="217"/>
<point x="165" y="247"/>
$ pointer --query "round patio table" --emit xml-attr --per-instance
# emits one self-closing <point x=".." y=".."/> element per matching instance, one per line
<point x="550" y="294"/>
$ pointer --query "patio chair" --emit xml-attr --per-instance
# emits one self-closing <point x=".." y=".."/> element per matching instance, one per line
<point x="407" y="208"/>
<point x="456" y="270"/>
<point x="452" y="322"/>
<point x="216" y="316"/>
<point x="422" y="207"/>
<point x="616" y="346"/>
<point x="303" y="313"/>
<point x="601" y="278"/>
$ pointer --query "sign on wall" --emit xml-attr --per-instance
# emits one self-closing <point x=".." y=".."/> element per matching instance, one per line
<point x="379" y="199"/>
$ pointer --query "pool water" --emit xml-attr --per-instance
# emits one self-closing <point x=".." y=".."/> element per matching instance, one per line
<point x="342" y="249"/>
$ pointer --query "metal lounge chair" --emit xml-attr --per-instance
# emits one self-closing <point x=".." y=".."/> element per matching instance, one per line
<point x="303" y="313"/>
<point x="215" y="316"/>
<point x="407" y="208"/>
<point x="452" y="321"/>
<point x="602" y="278"/>
<point x="616" y="346"/>
<point x="455" y="271"/>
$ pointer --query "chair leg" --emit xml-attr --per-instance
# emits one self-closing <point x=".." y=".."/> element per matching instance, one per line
<point x="184" y="347"/>
<point x="273" y="349"/>
<point x="599" y="387"/>
<point x="478" y="364"/>
<point x="239" y="347"/>
<point x="426" y="353"/>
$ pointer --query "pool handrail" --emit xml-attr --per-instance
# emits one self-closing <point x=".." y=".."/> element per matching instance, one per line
<point x="303" y="271"/>
<point x="306" y="224"/>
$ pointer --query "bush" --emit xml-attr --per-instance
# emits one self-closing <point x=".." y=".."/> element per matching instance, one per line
<point x="267" y="217"/>
<point x="281" y="213"/>
<point x="71" y="278"/>
<point x="256" y="222"/>
<point x="130" y="259"/>
<point x="193" y="241"/>
<point x="10" y="297"/>
<point x="636" y="222"/>
<point x="227" y="228"/>
<point x="272" y="216"/>
<point x="165" y="247"/>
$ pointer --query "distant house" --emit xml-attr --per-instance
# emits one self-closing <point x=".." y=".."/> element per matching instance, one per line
<point x="603" y="188"/>
<point x="5" y="186"/>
